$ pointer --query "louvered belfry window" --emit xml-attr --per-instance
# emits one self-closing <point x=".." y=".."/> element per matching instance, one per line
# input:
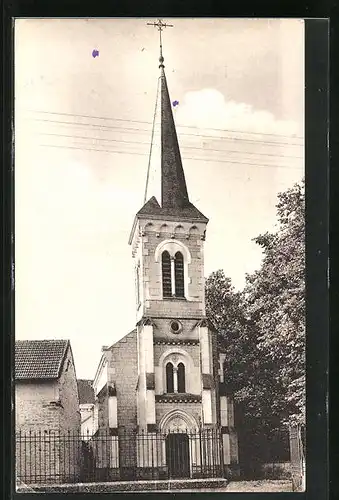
<point x="166" y="275"/>
<point x="181" y="378"/>
<point x="169" y="378"/>
<point x="179" y="275"/>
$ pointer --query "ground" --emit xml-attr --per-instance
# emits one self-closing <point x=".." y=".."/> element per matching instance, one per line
<point x="265" y="486"/>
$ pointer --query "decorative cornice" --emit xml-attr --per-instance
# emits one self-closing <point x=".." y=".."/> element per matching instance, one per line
<point x="166" y="341"/>
<point x="178" y="398"/>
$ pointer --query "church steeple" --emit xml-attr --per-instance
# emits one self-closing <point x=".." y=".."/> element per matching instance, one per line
<point x="174" y="195"/>
<point x="173" y="184"/>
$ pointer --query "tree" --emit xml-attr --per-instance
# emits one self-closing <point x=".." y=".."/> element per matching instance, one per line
<point x="275" y="297"/>
<point x="246" y="375"/>
<point x="262" y="328"/>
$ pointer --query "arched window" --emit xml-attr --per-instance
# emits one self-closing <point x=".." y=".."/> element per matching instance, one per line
<point x="169" y="378"/>
<point x="179" y="275"/>
<point x="166" y="274"/>
<point x="181" y="378"/>
<point x="137" y="285"/>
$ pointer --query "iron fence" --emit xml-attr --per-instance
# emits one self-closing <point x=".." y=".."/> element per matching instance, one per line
<point x="47" y="457"/>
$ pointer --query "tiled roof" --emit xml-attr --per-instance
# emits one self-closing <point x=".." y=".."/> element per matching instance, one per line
<point x="86" y="391"/>
<point x="39" y="359"/>
<point x="154" y="210"/>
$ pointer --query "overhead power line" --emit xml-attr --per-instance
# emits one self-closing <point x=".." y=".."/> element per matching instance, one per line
<point x="150" y="123"/>
<point x="214" y="160"/>
<point x="151" y="145"/>
<point x="182" y="146"/>
<point x="112" y="127"/>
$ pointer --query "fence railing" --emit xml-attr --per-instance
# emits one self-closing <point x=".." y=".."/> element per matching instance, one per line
<point x="54" y="457"/>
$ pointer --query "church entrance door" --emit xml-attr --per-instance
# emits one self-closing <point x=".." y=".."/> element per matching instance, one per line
<point x="177" y="455"/>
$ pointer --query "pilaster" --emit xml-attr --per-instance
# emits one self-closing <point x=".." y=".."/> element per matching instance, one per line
<point x="146" y="382"/>
<point x="208" y="385"/>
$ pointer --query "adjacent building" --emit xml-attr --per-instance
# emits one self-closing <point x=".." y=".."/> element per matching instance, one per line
<point x="86" y="403"/>
<point x="46" y="406"/>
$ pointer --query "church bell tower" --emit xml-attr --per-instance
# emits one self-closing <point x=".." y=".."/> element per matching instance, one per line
<point x="179" y="369"/>
<point x="176" y="347"/>
<point x="180" y="376"/>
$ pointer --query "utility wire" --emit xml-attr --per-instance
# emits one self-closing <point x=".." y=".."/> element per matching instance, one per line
<point x="262" y="165"/>
<point x="183" y="146"/>
<point x="151" y="145"/>
<point x="110" y="127"/>
<point x="150" y="123"/>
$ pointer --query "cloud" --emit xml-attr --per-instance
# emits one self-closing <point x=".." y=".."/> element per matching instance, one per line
<point x="208" y="108"/>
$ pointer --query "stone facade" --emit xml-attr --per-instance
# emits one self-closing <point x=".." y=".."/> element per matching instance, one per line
<point x="45" y="404"/>
<point x="165" y="376"/>
<point x="131" y="384"/>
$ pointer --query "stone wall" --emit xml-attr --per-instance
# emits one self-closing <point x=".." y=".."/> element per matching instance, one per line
<point x="150" y="268"/>
<point x="70" y="418"/>
<point x="33" y="408"/>
<point x="44" y="410"/>
<point x="123" y="371"/>
<point x="194" y="409"/>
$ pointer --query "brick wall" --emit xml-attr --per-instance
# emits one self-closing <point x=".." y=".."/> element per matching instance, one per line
<point x="194" y="409"/>
<point x="36" y="417"/>
<point x="192" y="350"/>
<point x="162" y="328"/>
<point x="152" y="269"/>
<point x="47" y="408"/>
<point x="123" y="370"/>
<point x="70" y="418"/>
<point x="33" y="409"/>
<point x="174" y="308"/>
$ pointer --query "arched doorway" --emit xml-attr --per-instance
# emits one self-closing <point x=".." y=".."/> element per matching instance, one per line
<point x="178" y="455"/>
<point x="178" y="427"/>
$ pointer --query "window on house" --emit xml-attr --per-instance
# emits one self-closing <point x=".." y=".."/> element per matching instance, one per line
<point x="181" y="378"/>
<point x="179" y="275"/>
<point x="169" y="378"/>
<point x="166" y="275"/>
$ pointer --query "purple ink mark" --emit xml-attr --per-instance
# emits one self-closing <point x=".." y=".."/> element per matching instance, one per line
<point x="95" y="53"/>
<point x="175" y="103"/>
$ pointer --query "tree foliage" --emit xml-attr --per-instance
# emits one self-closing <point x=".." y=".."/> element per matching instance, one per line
<point x="275" y="298"/>
<point x="262" y="328"/>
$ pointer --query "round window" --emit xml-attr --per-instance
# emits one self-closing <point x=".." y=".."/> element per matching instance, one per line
<point x="176" y="327"/>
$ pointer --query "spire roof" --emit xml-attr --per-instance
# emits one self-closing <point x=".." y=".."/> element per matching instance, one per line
<point x="174" y="195"/>
<point x="173" y="184"/>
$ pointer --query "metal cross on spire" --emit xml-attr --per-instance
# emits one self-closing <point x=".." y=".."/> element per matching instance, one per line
<point x="160" y="25"/>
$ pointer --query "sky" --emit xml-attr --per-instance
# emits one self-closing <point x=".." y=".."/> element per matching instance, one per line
<point x="83" y="128"/>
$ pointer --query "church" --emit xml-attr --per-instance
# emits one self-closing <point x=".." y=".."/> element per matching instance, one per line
<point x="160" y="392"/>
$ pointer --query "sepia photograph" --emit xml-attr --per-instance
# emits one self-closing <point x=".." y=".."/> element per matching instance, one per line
<point x="159" y="255"/>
